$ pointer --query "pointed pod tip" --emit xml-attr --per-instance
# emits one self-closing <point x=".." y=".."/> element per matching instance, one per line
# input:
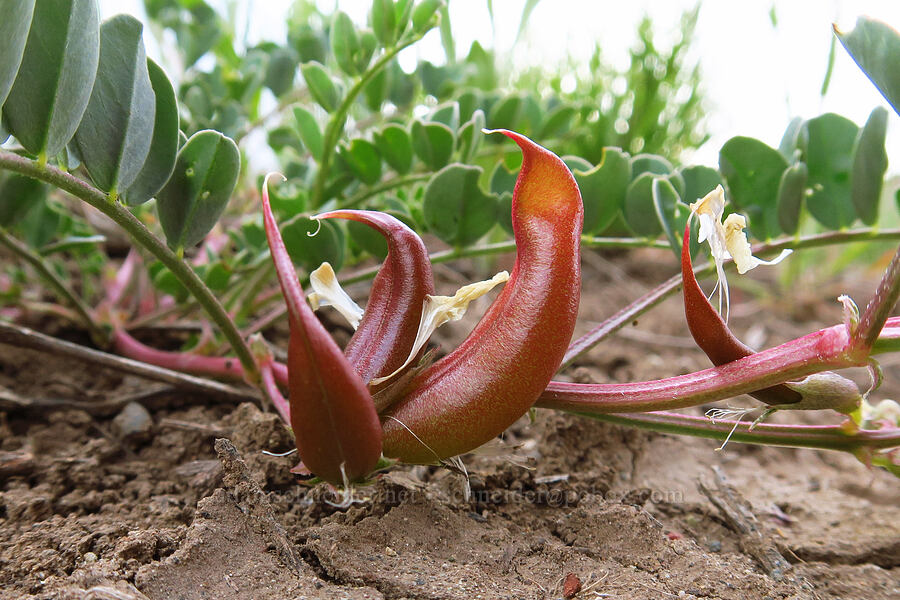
<point x="265" y="185"/>
<point x="269" y="175"/>
<point x="526" y="144"/>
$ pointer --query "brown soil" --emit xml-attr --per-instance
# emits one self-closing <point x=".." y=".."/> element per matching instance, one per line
<point x="130" y="504"/>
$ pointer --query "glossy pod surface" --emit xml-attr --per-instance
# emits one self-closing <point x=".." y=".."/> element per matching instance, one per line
<point x="385" y="335"/>
<point x="712" y="334"/>
<point x="332" y="415"/>
<point x="494" y="377"/>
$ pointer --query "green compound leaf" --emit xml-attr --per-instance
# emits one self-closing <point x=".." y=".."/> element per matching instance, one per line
<point x="402" y="13"/>
<point x="828" y="152"/>
<point x="505" y="114"/>
<point x="699" y="180"/>
<point x="639" y="210"/>
<point x="469" y="137"/>
<point x="115" y="133"/>
<point x="753" y="172"/>
<point x="367" y="45"/>
<point x="281" y="69"/>
<point x="455" y="208"/>
<point x="650" y="163"/>
<point x="377" y="89"/>
<point x="310" y="243"/>
<point x="432" y="143"/>
<point x="875" y="47"/>
<point x="503" y="179"/>
<point x="791" y="192"/>
<point x="791" y="138"/>
<point x="13" y="34"/>
<point x="345" y="44"/>
<point x="56" y="75"/>
<point x="363" y="159"/>
<point x="424" y="15"/>
<point x="869" y="165"/>
<point x="603" y="189"/>
<point x="163" y="147"/>
<point x="576" y="163"/>
<point x="309" y="130"/>
<point x="557" y="121"/>
<point x="503" y="183"/>
<point x="384" y="21"/>
<point x="367" y="239"/>
<point x="193" y="200"/>
<point x="395" y="146"/>
<point x="447" y="113"/>
<point x="665" y="203"/>
<point x="18" y="195"/>
<point x="320" y="85"/>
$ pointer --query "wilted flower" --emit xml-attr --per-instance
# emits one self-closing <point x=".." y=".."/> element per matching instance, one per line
<point x="726" y="240"/>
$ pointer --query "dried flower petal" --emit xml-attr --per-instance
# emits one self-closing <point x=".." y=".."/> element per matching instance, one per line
<point x="443" y="309"/>
<point x="327" y="291"/>
<point x="726" y="240"/>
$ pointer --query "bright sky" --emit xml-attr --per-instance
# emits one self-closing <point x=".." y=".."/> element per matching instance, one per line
<point x="757" y="76"/>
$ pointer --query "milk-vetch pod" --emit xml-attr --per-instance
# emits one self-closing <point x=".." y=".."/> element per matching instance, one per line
<point x="712" y="334"/>
<point x="386" y="333"/>
<point x="334" y="421"/>
<point x="478" y="390"/>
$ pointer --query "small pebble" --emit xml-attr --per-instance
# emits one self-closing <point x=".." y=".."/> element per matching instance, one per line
<point x="390" y="551"/>
<point x="133" y="421"/>
<point x="571" y="586"/>
<point x="90" y="557"/>
<point x="715" y="546"/>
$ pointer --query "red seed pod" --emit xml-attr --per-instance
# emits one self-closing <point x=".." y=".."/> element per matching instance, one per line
<point x="334" y="421"/>
<point x="386" y="333"/>
<point x="474" y="393"/>
<point x="712" y="334"/>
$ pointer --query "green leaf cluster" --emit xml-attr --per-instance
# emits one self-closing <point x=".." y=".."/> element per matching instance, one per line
<point x="351" y="125"/>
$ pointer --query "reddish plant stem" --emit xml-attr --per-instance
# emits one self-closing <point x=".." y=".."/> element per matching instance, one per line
<point x="217" y="366"/>
<point x="881" y="305"/>
<point x="270" y="386"/>
<point x="819" y="351"/>
<point x="765" y="368"/>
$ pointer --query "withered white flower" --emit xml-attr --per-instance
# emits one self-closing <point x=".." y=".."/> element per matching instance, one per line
<point x="328" y="292"/>
<point x="726" y="240"/>
<point x="443" y="309"/>
<point x="437" y="310"/>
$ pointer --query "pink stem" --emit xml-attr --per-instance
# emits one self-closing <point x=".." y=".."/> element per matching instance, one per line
<point x="270" y="386"/>
<point x="819" y="351"/>
<point x="229" y="368"/>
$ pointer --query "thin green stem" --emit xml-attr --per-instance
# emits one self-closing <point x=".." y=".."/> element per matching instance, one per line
<point x="825" y="437"/>
<point x="46" y="272"/>
<point x="142" y="236"/>
<point x="384" y="186"/>
<point x="339" y="117"/>
<point x="283" y="104"/>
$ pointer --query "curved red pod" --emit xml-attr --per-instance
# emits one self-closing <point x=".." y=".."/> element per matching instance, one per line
<point x="332" y="414"/>
<point x="493" y="378"/>
<point x="712" y="334"/>
<point x="385" y="336"/>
